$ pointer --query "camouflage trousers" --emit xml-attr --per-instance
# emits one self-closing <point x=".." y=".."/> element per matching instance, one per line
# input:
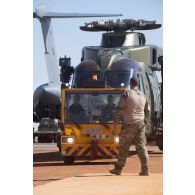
<point x="133" y="133"/>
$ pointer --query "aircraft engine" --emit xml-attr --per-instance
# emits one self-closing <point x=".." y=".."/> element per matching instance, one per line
<point x="46" y="102"/>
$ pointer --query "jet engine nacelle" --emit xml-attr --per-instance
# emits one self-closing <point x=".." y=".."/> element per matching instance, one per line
<point x="46" y="102"/>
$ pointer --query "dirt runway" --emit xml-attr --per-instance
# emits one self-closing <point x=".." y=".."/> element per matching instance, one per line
<point x="48" y="164"/>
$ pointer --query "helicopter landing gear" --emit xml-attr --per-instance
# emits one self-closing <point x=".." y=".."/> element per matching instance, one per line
<point x="159" y="141"/>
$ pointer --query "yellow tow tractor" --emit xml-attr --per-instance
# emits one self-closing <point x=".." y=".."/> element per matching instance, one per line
<point x="88" y="134"/>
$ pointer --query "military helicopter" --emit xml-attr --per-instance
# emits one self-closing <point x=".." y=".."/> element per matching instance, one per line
<point x="120" y="56"/>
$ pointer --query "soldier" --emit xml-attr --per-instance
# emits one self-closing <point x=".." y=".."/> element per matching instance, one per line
<point x="134" y="110"/>
<point x="107" y="112"/>
<point x="76" y="108"/>
<point x="76" y="111"/>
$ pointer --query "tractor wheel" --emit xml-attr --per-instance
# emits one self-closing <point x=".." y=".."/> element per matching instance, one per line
<point x="68" y="160"/>
<point x="40" y="139"/>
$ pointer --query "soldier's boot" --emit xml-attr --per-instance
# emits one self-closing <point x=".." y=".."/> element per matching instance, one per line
<point x="117" y="170"/>
<point x="144" y="172"/>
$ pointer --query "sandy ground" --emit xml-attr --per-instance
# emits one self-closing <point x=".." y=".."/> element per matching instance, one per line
<point x="48" y="164"/>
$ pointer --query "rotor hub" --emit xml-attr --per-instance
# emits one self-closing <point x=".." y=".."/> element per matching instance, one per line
<point x="120" y="25"/>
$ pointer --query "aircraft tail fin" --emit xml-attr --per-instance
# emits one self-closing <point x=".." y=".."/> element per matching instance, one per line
<point x="44" y="16"/>
<point x="49" y="44"/>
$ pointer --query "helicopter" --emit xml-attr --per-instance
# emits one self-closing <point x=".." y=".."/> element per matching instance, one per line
<point x="120" y="56"/>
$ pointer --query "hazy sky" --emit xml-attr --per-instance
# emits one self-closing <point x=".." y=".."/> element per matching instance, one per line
<point x="69" y="39"/>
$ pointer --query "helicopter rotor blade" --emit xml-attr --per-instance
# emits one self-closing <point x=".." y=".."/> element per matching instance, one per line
<point x="70" y="15"/>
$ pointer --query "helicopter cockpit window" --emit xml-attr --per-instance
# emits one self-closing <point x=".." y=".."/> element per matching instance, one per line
<point x="91" y="107"/>
<point x="118" y="79"/>
<point x="82" y="78"/>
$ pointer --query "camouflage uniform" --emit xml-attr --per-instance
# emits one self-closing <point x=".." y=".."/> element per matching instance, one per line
<point x="133" y="109"/>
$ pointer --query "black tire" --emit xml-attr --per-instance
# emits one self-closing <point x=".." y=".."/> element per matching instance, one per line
<point x="159" y="142"/>
<point x="59" y="148"/>
<point x="40" y="139"/>
<point x="68" y="160"/>
<point x="43" y="139"/>
<point x="49" y="139"/>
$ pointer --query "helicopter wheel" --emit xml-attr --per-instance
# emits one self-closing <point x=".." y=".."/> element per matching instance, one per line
<point x="159" y="141"/>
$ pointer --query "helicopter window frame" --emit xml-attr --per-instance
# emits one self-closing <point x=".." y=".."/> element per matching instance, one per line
<point x="155" y="101"/>
<point x="141" y="83"/>
<point x="155" y="92"/>
<point x="151" y="93"/>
